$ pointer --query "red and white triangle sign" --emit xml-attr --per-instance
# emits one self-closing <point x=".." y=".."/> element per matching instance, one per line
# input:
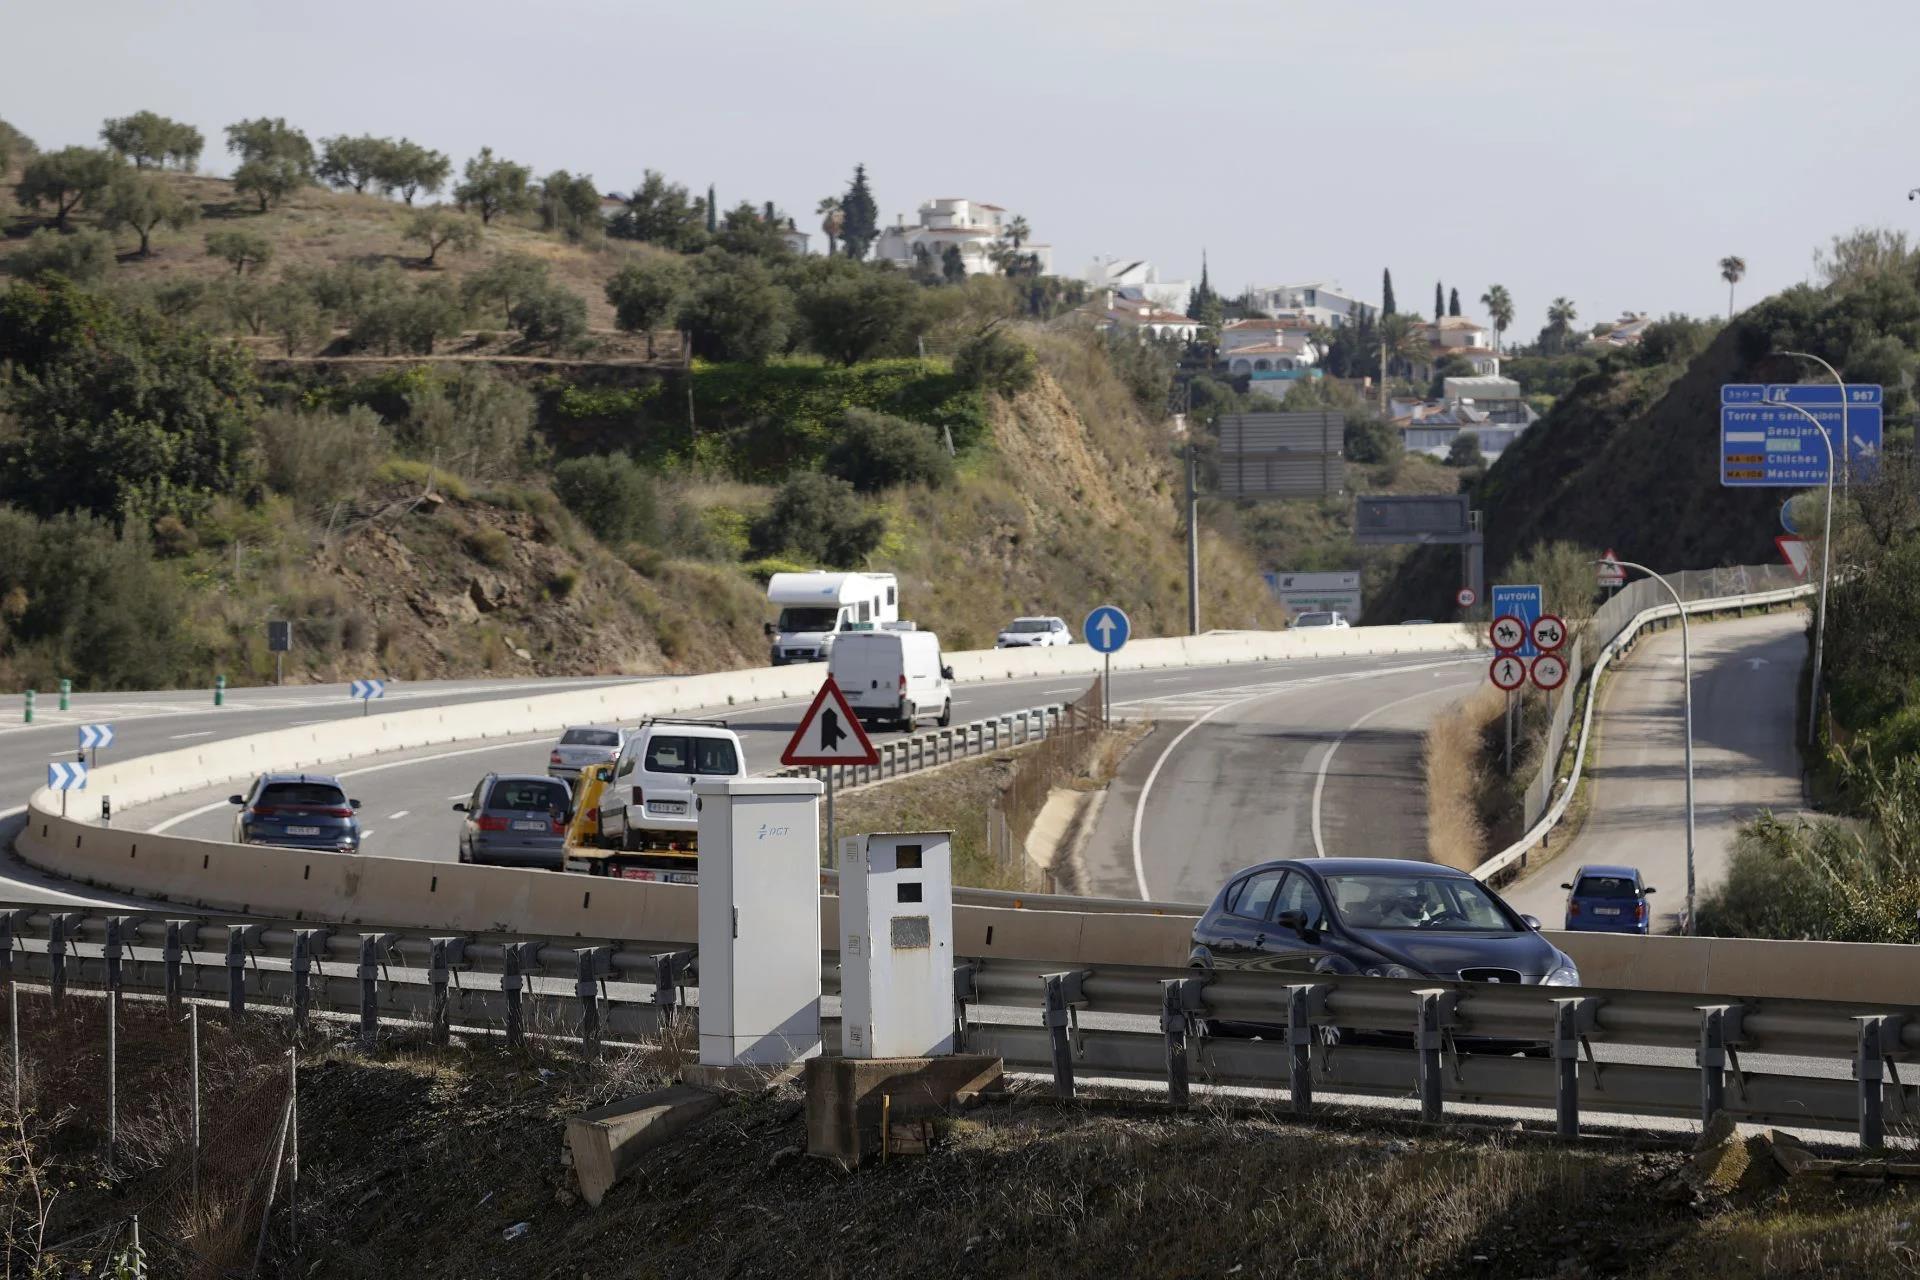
<point x="830" y="733"/>
<point x="1611" y="574"/>
<point x="1796" y="553"/>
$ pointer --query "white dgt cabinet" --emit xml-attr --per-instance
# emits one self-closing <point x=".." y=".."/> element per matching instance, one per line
<point x="896" y="945"/>
<point x="759" y="920"/>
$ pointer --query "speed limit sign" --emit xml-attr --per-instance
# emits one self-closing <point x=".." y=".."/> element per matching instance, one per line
<point x="1549" y="671"/>
<point x="1464" y="597"/>
<point x="1549" y="632"/>
<point x="1509" y="672"/>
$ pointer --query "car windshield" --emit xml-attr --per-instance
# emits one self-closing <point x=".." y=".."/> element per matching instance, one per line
<point x="526" y="794"/>
<point x="808" y="619"/>
<point x="1410" y="900"/>
<point x="321" y="795"/>
<point x="1024" y="626"/>
<point x="1603" y="887"/>
<point x="1314" y="620"/>
<point x="713" y="757"/>
<point x="590" y="738"/>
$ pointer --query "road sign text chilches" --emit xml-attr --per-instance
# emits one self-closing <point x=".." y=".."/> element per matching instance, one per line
<point x="1767" y="441"/>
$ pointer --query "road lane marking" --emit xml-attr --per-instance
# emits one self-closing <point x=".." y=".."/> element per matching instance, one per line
<point x="1072" y="688"/>
<point x="178" y="737"/>
<point x="1320" y="776"/>
<point x="395" y="817"/>
<point x="177" y="819"/>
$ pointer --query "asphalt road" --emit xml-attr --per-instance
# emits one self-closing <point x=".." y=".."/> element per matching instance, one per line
<point x="1745" y="681"/>
<point x="406" y="798"/>
<point x="1313" y="764"/>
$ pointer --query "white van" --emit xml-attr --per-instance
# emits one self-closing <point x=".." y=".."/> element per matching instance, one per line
<point x="816" y="608"/>
<point x="648" y="803"/>
<point x="893" y="677"/>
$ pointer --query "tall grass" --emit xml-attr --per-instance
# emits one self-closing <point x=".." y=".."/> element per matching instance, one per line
<point x="1457" y="779"/>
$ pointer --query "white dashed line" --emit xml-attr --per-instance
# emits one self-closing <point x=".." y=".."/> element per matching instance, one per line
<point x="395" y="817"/>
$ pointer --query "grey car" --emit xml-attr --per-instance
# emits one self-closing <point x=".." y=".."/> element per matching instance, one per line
<point x="515" y="821"/>
<point x="583" y="745"/>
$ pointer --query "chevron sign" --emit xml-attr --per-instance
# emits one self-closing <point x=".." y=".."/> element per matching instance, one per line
<point x="364" y="689"/>
<point x="65" y="775"/>
<point x="95" y="736"/>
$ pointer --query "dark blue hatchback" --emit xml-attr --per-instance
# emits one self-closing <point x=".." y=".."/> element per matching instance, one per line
<point x="297" y="811"/>
<point x="1602" y="899"/>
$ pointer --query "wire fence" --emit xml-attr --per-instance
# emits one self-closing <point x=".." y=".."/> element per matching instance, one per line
<point x="1061" y="756"/>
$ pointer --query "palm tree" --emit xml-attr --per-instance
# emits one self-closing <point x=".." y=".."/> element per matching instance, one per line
<point x="833" y="220"/>
<point x="1499" y="305"/>
<point x="1560" y="317"/>
<point x="1018" y="231"/>
<point x="1400" y="339"/>
<point x="1732" y="267"/>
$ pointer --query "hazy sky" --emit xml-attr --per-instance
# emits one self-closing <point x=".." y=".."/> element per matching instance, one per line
<point x="1612" y="153"/>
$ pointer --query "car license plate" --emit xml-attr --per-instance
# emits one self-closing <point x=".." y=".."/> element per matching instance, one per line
<point x="303" y="831"/>
<point x="530" y="826"/>
<point x="659" y="877"/>
<point x="667" y="806"/>
<point x="1606" y="911"/>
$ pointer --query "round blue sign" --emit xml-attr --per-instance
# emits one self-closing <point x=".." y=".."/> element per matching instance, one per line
<point x="1786" y="517"/>
<point x="1106" y="629"/>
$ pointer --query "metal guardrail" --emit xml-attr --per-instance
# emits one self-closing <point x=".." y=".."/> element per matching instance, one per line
<point x="1309" y="1021"/>
<point x="1634" y="608"/>
<point x="905" y="756"/>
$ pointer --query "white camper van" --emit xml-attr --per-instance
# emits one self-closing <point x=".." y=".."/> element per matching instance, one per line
<point x="817" y="607"/>
<point x="893" y="677"/>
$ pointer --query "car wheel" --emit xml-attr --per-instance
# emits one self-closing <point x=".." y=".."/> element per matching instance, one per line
<point x="946" y="714"/>
<point x="629" y="838"/>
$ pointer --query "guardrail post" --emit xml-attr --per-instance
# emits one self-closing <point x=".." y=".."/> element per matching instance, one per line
<point x="178" y="933"/>
<point x="1062" y="992"/>
<point x="372" y="946"/>
<point x="964" y="990"/>
<point x="1874" y="1034"/>
<point x="1303" y="1002"/>
<point x="1433" y="1017"/>
<point x="303" y="940"/>
<point x="1179" y="998"/>
<point x="442" y="954"/>
<point x="111" y="952"/>
<point x="1566" y="1066"/>
<point x="671" y="969"/>
<point x="6" y="947"/>
<point x="590" y="963"/>
<point x="513" y="960"/>
<point x="238" y="936"/>
<point x="1711" y="1057"/>
<point x="57" y="927"/>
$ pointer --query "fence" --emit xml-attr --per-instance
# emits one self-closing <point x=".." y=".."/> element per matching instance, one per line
<point x="1835" y="1063"/>
<point x="904" y="756"/>
<point x="1011" y="816"/>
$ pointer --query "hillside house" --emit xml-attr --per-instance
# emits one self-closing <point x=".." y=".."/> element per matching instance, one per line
<point x="971" y="226"/>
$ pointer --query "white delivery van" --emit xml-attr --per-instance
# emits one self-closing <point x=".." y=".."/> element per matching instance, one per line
<point x="816" y="608"/>
<point x="893" y="677"/>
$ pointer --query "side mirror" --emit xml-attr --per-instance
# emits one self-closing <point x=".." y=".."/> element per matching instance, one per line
<point x="1649" y="889"/>
<point x="236" y="799"/>
<point x="769" y="629"/>
<point x="460" y="806"/>
<point x="1532" y="922"/>
<point x="1296" y="921"/>
<point x="1567" y="887"/>
<point x="946" y="673"/>
<point x="353" y="804"/>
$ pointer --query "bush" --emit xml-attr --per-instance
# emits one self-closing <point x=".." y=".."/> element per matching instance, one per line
<point x="996" y="361"/>
<point x="736" y="310"/>
<point x="472" y="422"/>
<point x="551" y="316"/>
<point x="1465" y="451"/>
<point x="819" y="519"/>
<point x="874" y="451"/>
<point x="489" y="546"/>
<point x="611" y="496"/>
<point x="317" y="457"/>
<point x="1370" y="439"/>
<point x="418" y="475"/>
<point x="83" y="257"/>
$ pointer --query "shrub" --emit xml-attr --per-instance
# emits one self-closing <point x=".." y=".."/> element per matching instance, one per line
<point x="1369" y="439"/>
<point x="611" y="496"/>
<point x="419" y="475"/>
<point x="317" y="457"/>
<point x="472" y="422"/>
<point x="874" y="451"/>
<point x="996" y="361"/>
<point x="1465" y="451"/>
<point x="489" y="546"/>
<point x="551" y="316"/>
<point x="821" y="519"/>
<point x="173" y="539"/>
<point x="83" y="257"/>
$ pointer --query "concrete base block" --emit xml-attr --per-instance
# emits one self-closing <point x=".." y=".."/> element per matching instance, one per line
<point x="607" y="1141"/>
<point x="859" y="1107"/>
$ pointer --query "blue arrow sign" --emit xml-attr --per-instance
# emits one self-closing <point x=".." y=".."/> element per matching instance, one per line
<point x="95" y="736"/>
<point x="1764" y="443"/>
<point x="63" y="775"/>
<point x="1525" y="604"/>
<point x="1106" y="629"/>
<point x="364" y="689"/>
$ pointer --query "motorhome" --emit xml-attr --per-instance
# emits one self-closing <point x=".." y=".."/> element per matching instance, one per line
<point x="815" y="607"/>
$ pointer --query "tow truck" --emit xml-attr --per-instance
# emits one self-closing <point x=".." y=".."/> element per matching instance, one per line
<point x="635" y="818"/>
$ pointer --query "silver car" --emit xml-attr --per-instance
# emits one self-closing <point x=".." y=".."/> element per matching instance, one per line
<point x="516" y="821"/>
<point x="584" y="745"/>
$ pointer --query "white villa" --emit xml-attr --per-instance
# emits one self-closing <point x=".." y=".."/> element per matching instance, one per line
<point x="972" y="226"/>
<point x="1319" y="303"/>
<point x="1138" y="278"/>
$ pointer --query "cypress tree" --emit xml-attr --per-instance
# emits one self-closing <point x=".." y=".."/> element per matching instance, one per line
<point x="1386" y="292"/>
<point x="862" y="216"/>
<point x="1439" y="300"/>
<point x="713" y="212"/>
<point x="1453" y="302"/>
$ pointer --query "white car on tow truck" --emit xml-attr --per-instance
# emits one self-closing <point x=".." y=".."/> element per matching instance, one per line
<point x="649" y="827"/>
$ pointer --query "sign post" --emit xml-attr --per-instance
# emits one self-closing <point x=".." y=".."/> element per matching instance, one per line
<point x="366" y="691"/>
<point x="63" y="777"/>
<point x="1106" y="630"/>
<point x="279" y="642"/>
<point x="829" y="735"/>
<point x="92" y="738"/>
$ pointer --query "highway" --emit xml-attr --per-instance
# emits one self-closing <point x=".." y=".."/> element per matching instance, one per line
<point x="406" y="797"/>
<point x="1745" y="682"/>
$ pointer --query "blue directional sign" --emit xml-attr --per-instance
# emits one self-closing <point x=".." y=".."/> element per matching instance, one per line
<point x="95" y="736"/>
<point x="1106" y="629"/>
<point x="66" y="775"/>
<point x="1766" y="444"/>
<point x="364" y="689"/>
<point x="1786" y="517"/>
<point x="1525" y="604"/>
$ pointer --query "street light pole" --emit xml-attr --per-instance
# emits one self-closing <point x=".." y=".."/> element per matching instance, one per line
<point x="1686" y="683"/>
<point x="1826" y="562"/>
<point x="1846" y="439"/>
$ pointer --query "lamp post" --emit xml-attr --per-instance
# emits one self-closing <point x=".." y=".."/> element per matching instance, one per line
<point x="1826" y="561"/>
<point x="1686" y="685"/>
<point x="1846" y="439"/>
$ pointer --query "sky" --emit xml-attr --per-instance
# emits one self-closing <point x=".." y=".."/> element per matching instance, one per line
<point x="1612" y="153"/>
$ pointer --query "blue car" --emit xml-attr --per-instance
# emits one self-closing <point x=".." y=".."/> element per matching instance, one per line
<point x="1604" y="899"/>
<point x="297" y="811"/>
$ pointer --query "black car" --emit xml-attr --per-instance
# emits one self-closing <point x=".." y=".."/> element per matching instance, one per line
<point x="297" y="811"/>
<point x="1382" y="917"/>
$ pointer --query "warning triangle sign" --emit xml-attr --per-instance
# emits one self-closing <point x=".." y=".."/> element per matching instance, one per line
<point x="1610" y="574"/>
<point x="830" y="733"/>
<point x="1796" y="553"/>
